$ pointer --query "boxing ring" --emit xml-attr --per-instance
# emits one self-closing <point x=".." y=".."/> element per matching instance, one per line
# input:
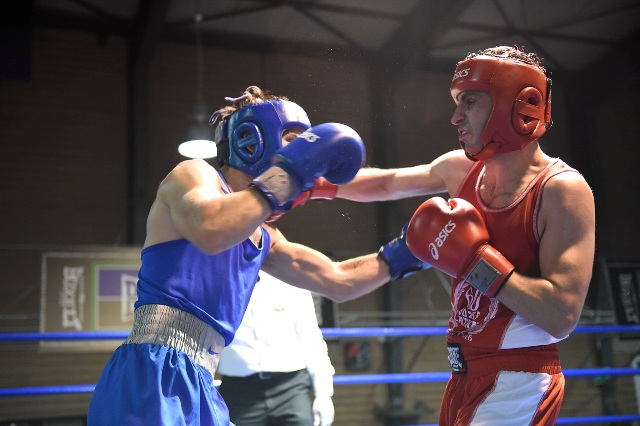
<point x="346" y="380"/>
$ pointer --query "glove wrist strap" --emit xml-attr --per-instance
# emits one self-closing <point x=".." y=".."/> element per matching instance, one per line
<point x="277" y="186"/>
<point x="488" y="271"/>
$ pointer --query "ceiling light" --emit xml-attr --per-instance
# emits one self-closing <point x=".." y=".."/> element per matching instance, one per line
<point x="198" y="142"/>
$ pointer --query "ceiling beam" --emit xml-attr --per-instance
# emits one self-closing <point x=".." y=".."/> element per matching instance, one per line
<point x="350" y="10"/>
<point x="141" y="47"/>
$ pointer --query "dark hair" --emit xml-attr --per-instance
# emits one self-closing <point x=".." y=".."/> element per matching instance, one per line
<point x="252" y="95"/>
<point x="515" y="53"/>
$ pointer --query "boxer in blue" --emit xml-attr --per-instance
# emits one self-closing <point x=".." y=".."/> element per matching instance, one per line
<point x="206" y="241"/>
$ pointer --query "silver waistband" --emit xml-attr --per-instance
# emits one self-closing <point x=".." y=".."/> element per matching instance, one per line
<point x="164" y="325"/>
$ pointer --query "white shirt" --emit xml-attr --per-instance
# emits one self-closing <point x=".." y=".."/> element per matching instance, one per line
<point x="279" y="333"/>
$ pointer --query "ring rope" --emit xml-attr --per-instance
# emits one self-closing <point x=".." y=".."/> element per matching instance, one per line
<point x="326" y="332"/>
<point x="361" y="379"/>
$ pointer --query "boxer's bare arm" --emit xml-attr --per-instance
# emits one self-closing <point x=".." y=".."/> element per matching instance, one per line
<point x="567" y="245"/>
<point x="190" y="204"/>
<point x="444" y="174"/>
<point x="307" y="268"/>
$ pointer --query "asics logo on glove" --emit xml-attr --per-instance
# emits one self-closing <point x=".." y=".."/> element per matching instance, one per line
<point x="309" y="137"/>
<point x="439" y="241"/>
<point x="467" y="253"/>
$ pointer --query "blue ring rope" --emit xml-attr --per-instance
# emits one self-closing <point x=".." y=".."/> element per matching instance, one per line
<point x="326" y="332"/>
<point x="582" y="420"/>
<point x="361" y="379"/>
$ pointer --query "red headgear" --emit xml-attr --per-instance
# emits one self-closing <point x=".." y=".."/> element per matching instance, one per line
<point x="521" y="96"/>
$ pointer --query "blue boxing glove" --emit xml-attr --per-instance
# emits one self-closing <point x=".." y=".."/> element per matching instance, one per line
<point x="331" y="150"/>
<point x="401" y="261"/>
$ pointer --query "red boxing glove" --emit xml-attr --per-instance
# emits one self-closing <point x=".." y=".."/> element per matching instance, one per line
<point x="322" y="190"/>
<point x="452" y="237"/>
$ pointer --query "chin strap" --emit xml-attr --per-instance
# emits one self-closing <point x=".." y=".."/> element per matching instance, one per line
<point x="486" y="151"/>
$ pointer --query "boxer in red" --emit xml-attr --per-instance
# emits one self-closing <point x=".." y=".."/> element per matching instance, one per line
<point x="517" y="238"/>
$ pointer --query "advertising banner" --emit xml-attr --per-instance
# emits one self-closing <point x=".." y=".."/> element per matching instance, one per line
<point x="88" y="291"/>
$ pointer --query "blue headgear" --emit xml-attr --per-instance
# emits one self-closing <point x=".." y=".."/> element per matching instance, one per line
<point x="249" y="137"/>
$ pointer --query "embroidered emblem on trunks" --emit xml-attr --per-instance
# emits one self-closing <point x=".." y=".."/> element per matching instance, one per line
<point x="456" y="359"/>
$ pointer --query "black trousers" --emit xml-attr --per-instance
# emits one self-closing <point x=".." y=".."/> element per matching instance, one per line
<point x="269" y="399"/>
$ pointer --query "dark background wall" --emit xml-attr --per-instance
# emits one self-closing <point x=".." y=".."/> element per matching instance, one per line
<point x="66" y="161"/>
